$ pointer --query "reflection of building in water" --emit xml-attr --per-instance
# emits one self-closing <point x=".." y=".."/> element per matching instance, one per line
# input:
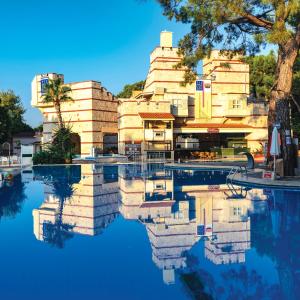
<point x="146" y="193"/>
<point x="93" y="204"/>
<point x="188" y="205"/>
<point x="231" y="231"/>
<point x="231" y="227"/>
<point x="228" y="220"/>
<point x="149" y="197"/>
<point x="171" y="237"/>
<point x="221" y="218"/>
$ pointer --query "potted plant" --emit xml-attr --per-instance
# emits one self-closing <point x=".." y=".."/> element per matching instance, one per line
<point x="68" y="158"/>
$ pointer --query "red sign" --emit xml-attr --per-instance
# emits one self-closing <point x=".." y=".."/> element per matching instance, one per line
<point x="268" y="175"/>
<point x="213" y="130"/>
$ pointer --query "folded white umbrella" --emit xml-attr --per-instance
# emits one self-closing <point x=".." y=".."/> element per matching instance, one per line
<point x="275" y="145"/>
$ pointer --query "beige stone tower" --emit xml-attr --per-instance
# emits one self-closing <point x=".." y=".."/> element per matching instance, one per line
<point x="92" y="115"/>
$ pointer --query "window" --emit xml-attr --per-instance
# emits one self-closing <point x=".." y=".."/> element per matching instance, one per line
<point x="179" y="107"/>
<point x="236" y="211"/>
<point x="159" y="134"/>
<point x="236" y="104"/>
<point x="159" y="186"/>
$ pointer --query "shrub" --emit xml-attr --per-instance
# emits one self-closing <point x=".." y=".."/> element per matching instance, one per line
<point x="60" y="149"/>
<point x="42" y="157"/>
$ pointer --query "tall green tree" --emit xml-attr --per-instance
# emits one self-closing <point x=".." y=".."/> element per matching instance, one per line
<point x="243" y="26"/>
<point x="296" y="98"/>
<point x="57" y="93"/>
<point x="262" y="79"/>
<point x="262" y="74"/>
<point x="129" y="88"/>
<point x="11" y="116"/>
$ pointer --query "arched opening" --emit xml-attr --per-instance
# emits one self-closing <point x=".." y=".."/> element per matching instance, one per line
<point x="110" y="143"/>
<point x="76" y="143"/>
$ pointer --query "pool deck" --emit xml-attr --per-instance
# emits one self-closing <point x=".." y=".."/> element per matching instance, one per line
<point x="253" y="178"/>
<point x="208" y="165"/>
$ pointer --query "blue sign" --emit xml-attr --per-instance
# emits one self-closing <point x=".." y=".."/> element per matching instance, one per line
<point x="44" y="82"/>
<point x="199" y="85"/>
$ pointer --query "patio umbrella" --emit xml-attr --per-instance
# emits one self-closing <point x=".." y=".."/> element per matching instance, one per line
<point x="275" y="145"/>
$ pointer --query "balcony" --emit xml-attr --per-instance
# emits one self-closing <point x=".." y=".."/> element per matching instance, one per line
<point x="157" y="146"/>
<point x="158" y="135"/>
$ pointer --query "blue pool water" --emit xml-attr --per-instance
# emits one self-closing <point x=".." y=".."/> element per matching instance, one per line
<point x="146" y="232"/>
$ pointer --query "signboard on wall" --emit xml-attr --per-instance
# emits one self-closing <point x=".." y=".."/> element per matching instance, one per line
<point x="199" y="85"/>
<point x="44" y="82"/>
<point x="203" y="99"/>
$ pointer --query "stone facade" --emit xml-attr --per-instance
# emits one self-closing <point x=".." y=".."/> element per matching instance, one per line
<point x="166" y="117"/>
<point x="92" y="114"/>
<point x="214" y="109"/>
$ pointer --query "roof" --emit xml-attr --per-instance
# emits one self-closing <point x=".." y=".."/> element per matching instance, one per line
<point x="24" y="134"/>
<point x="215" y="125"/>
<point x="156" y="116"/>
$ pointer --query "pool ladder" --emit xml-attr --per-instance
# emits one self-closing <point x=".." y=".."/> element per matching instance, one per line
<point x="236" y="193"/>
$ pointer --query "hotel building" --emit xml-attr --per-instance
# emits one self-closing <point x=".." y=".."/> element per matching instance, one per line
<point x="92" y="114"/>
<point x="168" y="117"/>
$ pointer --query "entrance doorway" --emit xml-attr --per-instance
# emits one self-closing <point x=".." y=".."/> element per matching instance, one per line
<point x="110" y="143"/>
<point x="76" y="143"/>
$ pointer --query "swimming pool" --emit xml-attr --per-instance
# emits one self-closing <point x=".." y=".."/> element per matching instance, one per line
<point x="144" y="232"/>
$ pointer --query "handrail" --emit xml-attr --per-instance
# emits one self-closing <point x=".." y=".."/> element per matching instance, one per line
<point x="230" y="177"/>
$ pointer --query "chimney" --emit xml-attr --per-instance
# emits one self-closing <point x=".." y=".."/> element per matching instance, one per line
<point x="166" y="39"/>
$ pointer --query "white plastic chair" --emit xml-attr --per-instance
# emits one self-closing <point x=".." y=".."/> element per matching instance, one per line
<point x="4" y="161"/>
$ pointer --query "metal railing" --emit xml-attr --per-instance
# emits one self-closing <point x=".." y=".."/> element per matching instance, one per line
<point x="134" y="157"/>
<point x="237" y="192"/>
<point x="236" y="170"/>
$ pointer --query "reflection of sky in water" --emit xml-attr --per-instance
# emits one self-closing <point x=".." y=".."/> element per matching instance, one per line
<point x="146" y="232"/>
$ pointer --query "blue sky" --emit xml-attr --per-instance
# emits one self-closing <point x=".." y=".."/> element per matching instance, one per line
<point x="108" y="41"/>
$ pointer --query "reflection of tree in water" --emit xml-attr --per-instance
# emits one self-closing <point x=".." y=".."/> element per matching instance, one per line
<point x="11" y="198"/>
<point x="276" y="235"/>
<point x="56" y="234"/>
<point x="61" y="179"/>
<point x="234" y="283"/>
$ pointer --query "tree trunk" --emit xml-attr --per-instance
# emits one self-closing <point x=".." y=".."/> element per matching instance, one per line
<point x="279" y="106"/>
<point x="59" y="116"/>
